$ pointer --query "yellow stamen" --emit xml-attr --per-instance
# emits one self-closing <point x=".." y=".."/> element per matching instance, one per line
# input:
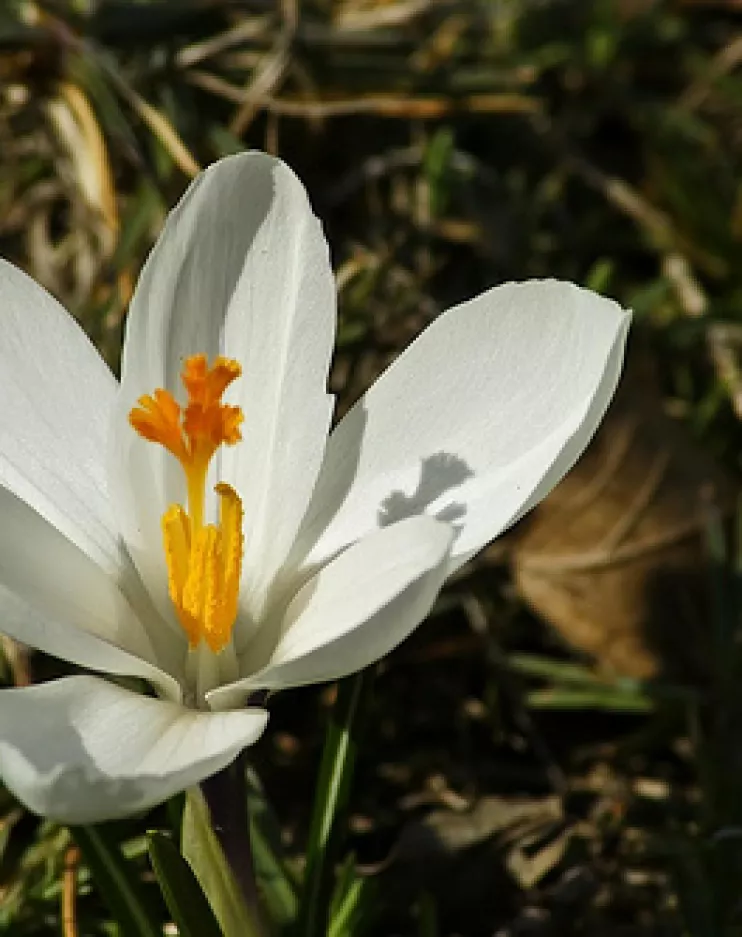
<point x="204" y="561"/>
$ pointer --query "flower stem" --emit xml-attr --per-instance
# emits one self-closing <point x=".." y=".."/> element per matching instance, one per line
<point x="332" y="797"/>
<point x="226" y="797"/>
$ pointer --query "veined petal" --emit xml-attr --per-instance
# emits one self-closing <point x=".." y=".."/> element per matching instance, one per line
<point x="55" y="598"/>
<point x="242" y="270"/>
<point x="353" y="611"/>
<point x="57" y="397"/>
<point x="81" y="750"/>
<point x="475" y="422"/>
<point x="26" y="624"/>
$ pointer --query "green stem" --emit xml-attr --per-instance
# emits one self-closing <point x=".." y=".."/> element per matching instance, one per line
<point x="332" y="796"/>
<point x="226" y="796"/>
<point x="119" y="886"/>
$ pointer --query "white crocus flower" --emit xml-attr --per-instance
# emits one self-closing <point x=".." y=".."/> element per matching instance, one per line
<point x="224" y="544"/>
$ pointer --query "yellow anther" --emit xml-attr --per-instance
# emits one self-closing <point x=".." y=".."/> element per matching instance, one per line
<point x="204" y="561"/>
<point x="223" y="610"/>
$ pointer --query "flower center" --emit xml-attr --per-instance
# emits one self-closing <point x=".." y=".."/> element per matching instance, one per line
<point x="204" y="561"/>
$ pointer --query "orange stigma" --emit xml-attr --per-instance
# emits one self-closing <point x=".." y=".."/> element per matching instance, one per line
<point x="204" y="561"/>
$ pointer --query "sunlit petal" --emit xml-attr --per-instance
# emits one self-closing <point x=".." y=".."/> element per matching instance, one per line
<point x="56" y="400"/>
<point x="354" y="611"/>
<point x="55" y="598"/>
<point x="476" y="421"/>
<point x="82" y="750"/>
<point x="241" y="269"/>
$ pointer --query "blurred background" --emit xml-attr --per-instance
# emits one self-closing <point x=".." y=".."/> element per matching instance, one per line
<point x="558" y="750"/>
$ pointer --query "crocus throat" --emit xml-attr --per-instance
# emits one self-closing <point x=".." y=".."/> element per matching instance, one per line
<point x="204" y="561"/>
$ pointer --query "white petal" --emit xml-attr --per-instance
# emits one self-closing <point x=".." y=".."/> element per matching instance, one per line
<point x="56" y="400"/>
<point x="241" y="270"/>
<point x="55" y="598"/>
<point x="354" y="610"/>
<point x="476" y="421"/>
<point x="82" y="750"/>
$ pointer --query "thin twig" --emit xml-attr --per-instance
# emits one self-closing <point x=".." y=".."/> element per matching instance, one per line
<point x="384" y="16"/>
<point x="243" y="31"/>
<point x="69" y="892"/>
<point x="379" y="105"/>
<point x="268" y="77"/>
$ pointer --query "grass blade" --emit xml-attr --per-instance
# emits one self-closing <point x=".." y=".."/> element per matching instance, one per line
<point x="180" y="889"/>
<point x="206" y="858"/>
<point x="119" y="887"/>
<point x="330" y="804"/>
<point x="275" y="885"/>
